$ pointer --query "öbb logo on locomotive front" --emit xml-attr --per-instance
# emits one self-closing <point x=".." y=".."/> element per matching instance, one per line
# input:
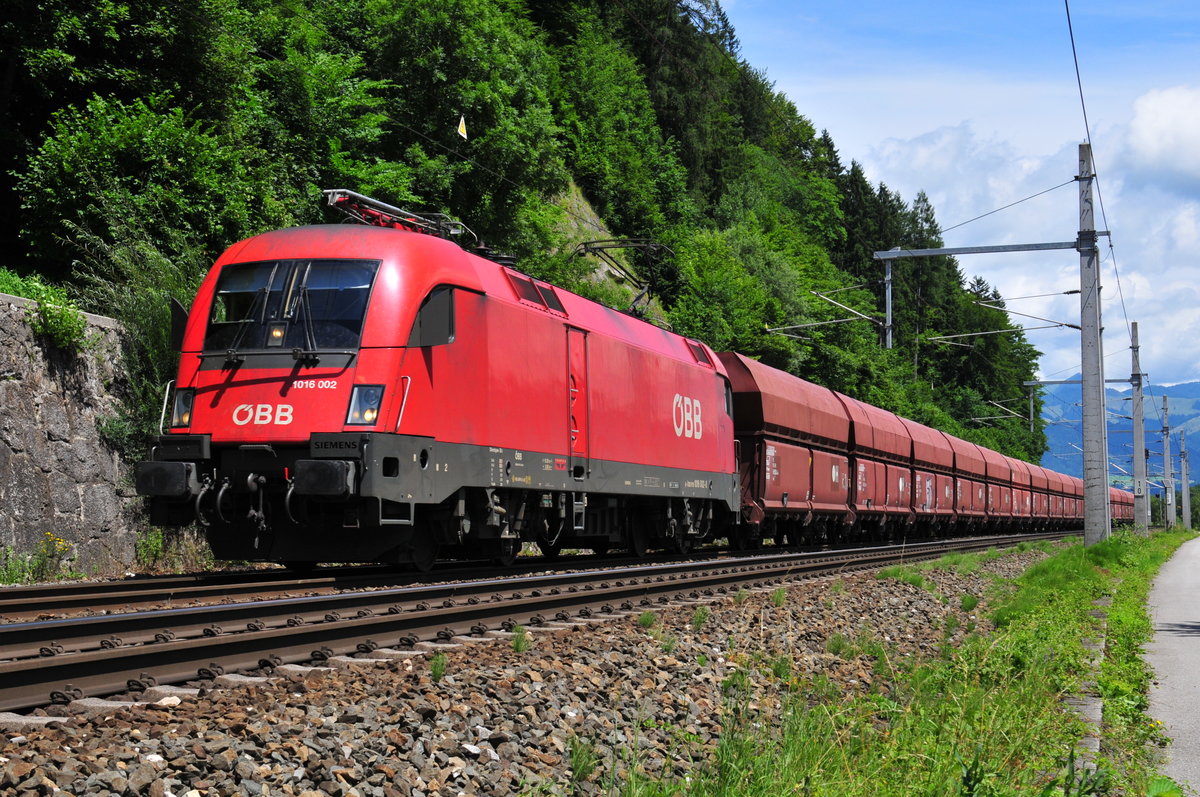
<point x="262" y="414"/>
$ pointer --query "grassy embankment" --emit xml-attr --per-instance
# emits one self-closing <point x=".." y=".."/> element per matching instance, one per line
<point x="985" y="718"/>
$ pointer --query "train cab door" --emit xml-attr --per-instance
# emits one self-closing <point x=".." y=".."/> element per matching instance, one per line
<point x="577" y="402"/>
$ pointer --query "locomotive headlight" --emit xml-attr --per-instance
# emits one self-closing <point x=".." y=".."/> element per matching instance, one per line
<point x="364" y="405"/>
<point x="276" y="333"/>
<point x="181" y="414"/>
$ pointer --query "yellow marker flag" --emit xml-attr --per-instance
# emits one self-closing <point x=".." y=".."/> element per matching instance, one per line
<point x="462" y="126"/>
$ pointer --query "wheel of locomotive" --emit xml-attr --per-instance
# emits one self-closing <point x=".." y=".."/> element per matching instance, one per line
<point x="424" y="553"/>
<point x="423" y="544"/>
<point x="677" y="539"/>
<point x="505" y="551"/>
<point x="639" y="534"/>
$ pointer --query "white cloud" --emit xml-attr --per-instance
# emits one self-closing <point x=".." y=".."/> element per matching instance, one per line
<point x="1164" y="135"/>
<point x="1163" y="141"/>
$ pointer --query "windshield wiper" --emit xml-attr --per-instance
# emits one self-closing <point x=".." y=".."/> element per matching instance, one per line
<point x="309" y="355"/>
<point x="232" y="356"/>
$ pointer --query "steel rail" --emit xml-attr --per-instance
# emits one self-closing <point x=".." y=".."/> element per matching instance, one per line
<point x="46" y="638"/>
<point x="36" y="601"/>
<point x="41" y="599"/>
<point x="28" y="602"/>
<point x="19" y="601"/>
<point x="29" y="682"/>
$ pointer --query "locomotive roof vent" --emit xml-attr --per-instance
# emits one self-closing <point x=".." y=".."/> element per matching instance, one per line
<point x="365" y="210"/>
<point x="483" y="250"/>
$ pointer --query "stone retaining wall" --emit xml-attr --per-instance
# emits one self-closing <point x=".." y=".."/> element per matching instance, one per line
<point x="56" y="475"/>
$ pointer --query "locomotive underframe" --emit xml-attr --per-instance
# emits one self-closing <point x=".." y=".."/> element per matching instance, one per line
<point x="400" y="498"/>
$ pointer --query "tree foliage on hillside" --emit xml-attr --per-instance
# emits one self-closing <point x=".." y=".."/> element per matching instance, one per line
<point x="142" y="137"/>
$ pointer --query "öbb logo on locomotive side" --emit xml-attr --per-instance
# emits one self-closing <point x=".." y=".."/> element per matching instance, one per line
<point x="262" y="414"/>
<point x="687" y="416"/>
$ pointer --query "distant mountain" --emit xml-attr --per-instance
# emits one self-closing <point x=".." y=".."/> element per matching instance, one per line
<point x="1063" y="413"/>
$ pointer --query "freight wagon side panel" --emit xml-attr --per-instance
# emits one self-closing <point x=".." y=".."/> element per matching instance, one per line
<point x="945" y="494"/>
<point x="787" y="476"/>
<point x="899" y="489"/>
<point x="969" y="500"/>
<point x="924" y="501"/>
<point x="870" y="494"/>
<point x="831" y="482"/>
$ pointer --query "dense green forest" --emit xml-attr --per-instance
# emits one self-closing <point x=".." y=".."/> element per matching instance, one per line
<point x="138" y="138"/>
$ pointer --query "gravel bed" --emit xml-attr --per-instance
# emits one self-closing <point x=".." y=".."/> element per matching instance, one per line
<point x="500" y="721"/>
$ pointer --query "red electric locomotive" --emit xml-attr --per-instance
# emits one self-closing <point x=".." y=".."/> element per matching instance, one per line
<point x="351" y="393"/>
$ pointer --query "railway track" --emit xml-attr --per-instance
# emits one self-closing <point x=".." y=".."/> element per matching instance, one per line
<point x="47" y="601"/>
<point x="60" y="600"/>
<point x="56" y="600"/>
<point x="54" y="661"/>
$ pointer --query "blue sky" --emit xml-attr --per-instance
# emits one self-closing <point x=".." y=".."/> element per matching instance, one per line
<point x="976" y="103"/>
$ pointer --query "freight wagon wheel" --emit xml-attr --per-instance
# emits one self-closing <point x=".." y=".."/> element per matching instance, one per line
<point x="742" y="539"/>
<point x="785" y="540"/>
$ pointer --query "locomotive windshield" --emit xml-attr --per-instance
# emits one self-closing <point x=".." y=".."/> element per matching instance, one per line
<point x="290" y="304"/>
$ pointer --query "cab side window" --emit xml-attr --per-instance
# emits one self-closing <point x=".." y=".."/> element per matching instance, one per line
<point x="435" y="320"/>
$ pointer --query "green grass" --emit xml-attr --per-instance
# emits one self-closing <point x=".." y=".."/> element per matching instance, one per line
<point x="985" y="718"/>
<point x="905" y="573"/>
<point x="520" y="639"/>
<point x="437" y="667"/>
<point x="182" y="550"/>
<point x="837" y="644"/>
<point x="50" y="560"/>
<point x="583" y="759"/>
<point x="666" y="640"/>
<point x="54" y="316"/>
